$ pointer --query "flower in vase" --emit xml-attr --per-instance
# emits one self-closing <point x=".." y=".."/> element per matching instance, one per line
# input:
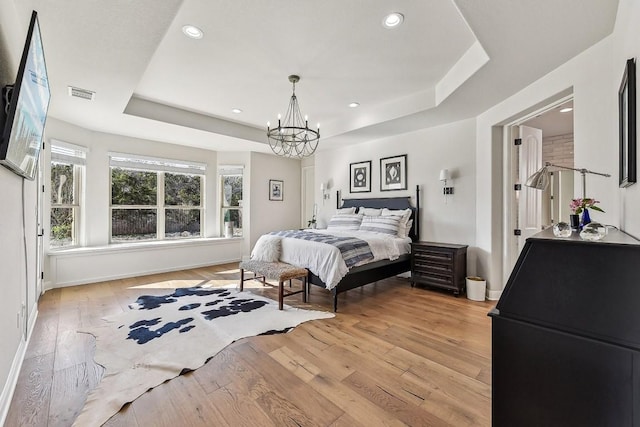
<point x="579" y="205"/>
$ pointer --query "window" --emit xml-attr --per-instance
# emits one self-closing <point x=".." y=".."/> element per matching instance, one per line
<point x="155" y="199"/>
<point x="67" y="173"/>
<point x="231" y="200"/>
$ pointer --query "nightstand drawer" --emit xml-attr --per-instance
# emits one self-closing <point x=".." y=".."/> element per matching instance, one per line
<point x="430" y="268"/>
<point x="432" y="256"/>
<point x="434" y="280"/>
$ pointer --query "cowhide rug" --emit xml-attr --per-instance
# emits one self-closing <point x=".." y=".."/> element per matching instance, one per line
<point x="162" y="336"/>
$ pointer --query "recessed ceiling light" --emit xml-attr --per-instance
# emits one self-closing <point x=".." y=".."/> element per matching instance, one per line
<point x="354" y="104"/>
<point x="392" y="20"/>
<point x="236" y="110"/>
<point x="192" y="32"/>
<point x="566" y="110"/>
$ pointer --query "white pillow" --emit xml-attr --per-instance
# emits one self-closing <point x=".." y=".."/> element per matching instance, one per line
<point x="370" y="211"/>
<point x="345" y="222"/>
<point x="404" y="215"/>
<point x="345" y="211"/>
<point x="381" y="224"/>
<point x="267" y="248"/>
<point x="407" y="229"/>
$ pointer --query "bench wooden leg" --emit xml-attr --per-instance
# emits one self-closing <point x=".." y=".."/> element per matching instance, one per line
<point x="241" y="279"/>
<point x="280" y="294"/>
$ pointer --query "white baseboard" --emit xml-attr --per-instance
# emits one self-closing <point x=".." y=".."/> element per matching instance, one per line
<point x="47" y="286"/>
<point x="16" y="366"/>
<point x="493" y="295"/>
<point x="105" y="278"/>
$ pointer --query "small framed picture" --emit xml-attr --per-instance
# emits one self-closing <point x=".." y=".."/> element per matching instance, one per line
<point x="393" y="173"/>
<point x="276" y="190"/>
<point x="360" y="177"/>
<point x="627" y="125"/>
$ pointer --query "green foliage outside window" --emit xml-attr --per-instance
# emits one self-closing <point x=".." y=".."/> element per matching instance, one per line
<point x="62" y="204"/>
<point x="181" y="190"/>
<point x="129" y="187"/>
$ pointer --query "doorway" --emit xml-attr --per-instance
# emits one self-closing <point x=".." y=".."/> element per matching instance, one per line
<point x="545" y="135"/>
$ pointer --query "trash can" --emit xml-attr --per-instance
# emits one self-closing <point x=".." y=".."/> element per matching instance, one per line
<point x="476" y="288"/>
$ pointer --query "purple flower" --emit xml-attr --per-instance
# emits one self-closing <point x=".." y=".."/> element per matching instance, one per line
<point x="578" y="205"/>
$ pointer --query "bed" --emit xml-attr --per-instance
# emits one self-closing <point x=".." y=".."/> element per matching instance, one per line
<point x="359" y="275"/>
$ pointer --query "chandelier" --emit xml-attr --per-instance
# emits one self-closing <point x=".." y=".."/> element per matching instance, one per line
<point x="292" y="137"/>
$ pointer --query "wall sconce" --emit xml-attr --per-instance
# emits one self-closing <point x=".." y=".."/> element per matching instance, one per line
<point x="324" y="189"/>
<point x="445" y="176"/>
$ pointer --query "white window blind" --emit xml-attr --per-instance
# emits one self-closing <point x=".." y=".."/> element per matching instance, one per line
<point x="65" y="152"/>
<point x="230" y="169"/>
<point x="132" y="161"/>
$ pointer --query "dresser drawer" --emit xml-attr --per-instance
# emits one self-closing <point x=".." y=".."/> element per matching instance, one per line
<point x="440" y="265"/>
<point x="432" y="268"/>
<point x="434" y="279"/>
<point x="423" y="255"/>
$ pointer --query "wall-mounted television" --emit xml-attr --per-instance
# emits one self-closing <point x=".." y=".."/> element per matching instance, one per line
<point x="27" y="102"/>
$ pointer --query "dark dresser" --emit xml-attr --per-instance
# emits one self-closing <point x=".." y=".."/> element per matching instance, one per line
<point x="441" y="265"/>
<point x="566" y="334"/>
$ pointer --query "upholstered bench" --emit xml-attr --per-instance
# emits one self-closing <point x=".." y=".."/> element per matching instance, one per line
<point x="279" y="271"/>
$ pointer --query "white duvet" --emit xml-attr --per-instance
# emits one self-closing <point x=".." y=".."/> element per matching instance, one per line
<point x="325" y="261"/>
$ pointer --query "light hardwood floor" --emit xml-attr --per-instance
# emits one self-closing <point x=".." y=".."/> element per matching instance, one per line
<point x="393" y="355"/>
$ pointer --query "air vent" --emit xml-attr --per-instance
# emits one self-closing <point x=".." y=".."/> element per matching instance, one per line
<point x="81" y="93"/>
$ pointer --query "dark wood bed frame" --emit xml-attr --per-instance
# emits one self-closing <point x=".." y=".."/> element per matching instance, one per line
<point x="369" y="273"/>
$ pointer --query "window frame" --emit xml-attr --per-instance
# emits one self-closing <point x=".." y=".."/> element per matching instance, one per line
<point x="230" y="170"/>
<point x="75" y="156"/>
<point x="155" y="165"/>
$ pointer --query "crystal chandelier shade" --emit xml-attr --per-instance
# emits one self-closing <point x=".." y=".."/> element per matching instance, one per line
<point x="293" y="137"/>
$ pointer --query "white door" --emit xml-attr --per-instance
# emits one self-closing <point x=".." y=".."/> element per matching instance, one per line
<point x="529" y="199"/>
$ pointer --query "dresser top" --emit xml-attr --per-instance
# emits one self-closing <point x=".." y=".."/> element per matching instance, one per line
<point x="440" y="245"/>
<point x="613" y="237"/>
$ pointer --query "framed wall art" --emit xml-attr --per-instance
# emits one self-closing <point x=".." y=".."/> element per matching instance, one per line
<point x="393" y="173"/>
<point x="627" y="124"/>
<point x="360" y="177"/>
<point x="276" y="190"/>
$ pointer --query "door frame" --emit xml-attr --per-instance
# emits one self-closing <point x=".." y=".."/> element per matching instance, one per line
<point x="510" y="159"/>
<point x="308" y="178"/>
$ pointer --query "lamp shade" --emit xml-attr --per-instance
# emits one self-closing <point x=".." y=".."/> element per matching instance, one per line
<point x="322" y="186"/>
<point x="539" y="180"/>
<point x="445" y="175"/>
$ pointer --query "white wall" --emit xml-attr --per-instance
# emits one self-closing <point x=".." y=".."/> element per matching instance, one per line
<point x="269" y="215"/>
<point x="594" y="76"/>
<point x="450" y="146"/>
<point x="17" y="267"/>
<point x="626" y="44"/>
<point x="97" y="261"/>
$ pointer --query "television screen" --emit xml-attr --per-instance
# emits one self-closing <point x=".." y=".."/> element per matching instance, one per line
<point x="28" y="105"/>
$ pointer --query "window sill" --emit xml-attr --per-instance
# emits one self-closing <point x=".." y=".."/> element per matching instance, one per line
<point x="144" y="246"/>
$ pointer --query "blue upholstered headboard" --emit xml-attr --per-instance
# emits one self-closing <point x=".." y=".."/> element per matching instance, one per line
<point x="391" y="203"/>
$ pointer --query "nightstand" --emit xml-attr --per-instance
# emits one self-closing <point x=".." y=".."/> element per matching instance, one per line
<point x="440" y="265"/>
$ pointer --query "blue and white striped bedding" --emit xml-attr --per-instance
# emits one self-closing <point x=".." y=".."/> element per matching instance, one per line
<point x="326" y="261"/>
<point x="353" y="250"/>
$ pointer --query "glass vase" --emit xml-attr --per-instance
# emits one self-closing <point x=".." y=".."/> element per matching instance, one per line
<point x="574" y="220"/>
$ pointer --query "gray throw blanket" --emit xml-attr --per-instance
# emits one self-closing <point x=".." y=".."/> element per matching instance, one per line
<point x="353" y="250"/>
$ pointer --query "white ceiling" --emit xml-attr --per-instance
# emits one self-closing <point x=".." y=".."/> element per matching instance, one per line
<point x="450" y="60"/>
<point x="554" y="122"/>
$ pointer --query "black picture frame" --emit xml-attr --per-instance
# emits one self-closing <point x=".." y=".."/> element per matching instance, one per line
<point x="360" y="177"/>
<point x="627" y="124"/>
<point x="276" y="190"/>
<point x="393" y="173"/>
